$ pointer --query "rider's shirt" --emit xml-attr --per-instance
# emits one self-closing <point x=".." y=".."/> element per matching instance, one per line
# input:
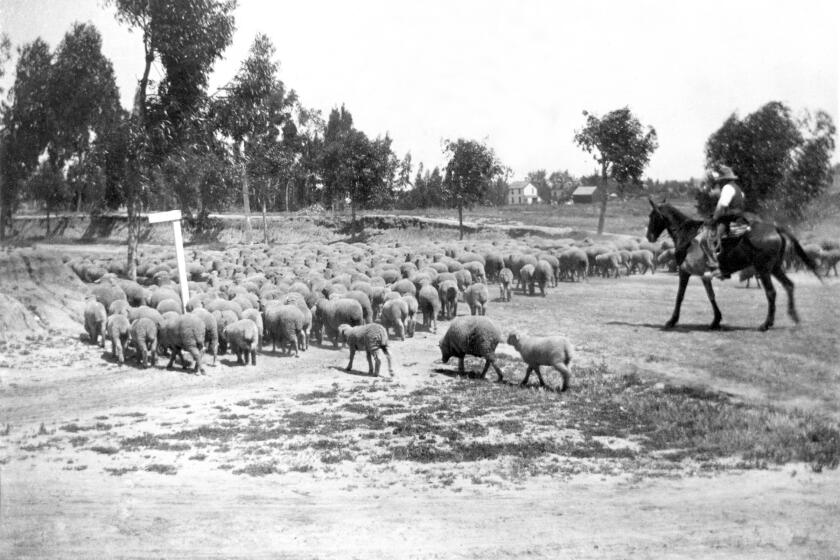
<point x="731" y="198"/>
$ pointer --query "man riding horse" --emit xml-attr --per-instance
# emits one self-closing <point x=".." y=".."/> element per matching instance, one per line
<point x="729" y="208"/>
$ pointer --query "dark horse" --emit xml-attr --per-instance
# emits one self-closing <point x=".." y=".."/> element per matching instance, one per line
<point x="763" y="247"/>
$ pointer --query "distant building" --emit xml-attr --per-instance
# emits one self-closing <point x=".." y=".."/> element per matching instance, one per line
<point x="586" y="195"/>
<point x="522" y="192"/>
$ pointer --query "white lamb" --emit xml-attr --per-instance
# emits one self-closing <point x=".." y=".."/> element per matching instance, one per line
<point x="555" y="351"/>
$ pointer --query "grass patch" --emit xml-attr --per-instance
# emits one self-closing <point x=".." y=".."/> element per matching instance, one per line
<point x="105" y="449"/>
<point x="259" y="469"/>
<point x="161" y="469"/>
<point x="120" y="470"/>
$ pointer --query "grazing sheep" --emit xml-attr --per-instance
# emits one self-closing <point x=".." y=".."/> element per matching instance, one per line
<point x="223" y="319"/>
<point x="476" y="297"/>
<point x="505" y="283"/>
<point x="474" y="336"/>
<point x="464" y="278"/>
<point x="429" y="306"/>
<point x="183" y="332"/>
<point x="119" y="307"/>
<point x="748" y="274"/>
<point x="608" y="264"/>
<point x="516" y="262"/>
<point x="404" y="286"/>
<point x="135" y="294"/>
<point x="543" y="274"/>
<point x="574" y="265"/>
<point x="256" y="317"/>
<point x="243" y="337"/>
<point x="448" y="293"/>
<point x="364" y="301"/>
<point x="95" y="318"/>
<point x="667" y="260"/>
<point x="161" y="294"/>
<point x="372" y="339"/>
<point x="108" y="293"/>
<point x="299" y="301"/>
<point x="394" y="316"/>
<point x="144" y="333"/>
<point x="641" y="261"/>
<point x="211" y="331"/>
<point x="284" y="327"/>
<point x="329" y="314"/>
<point x="526" y="278"/>
<point x="476" y="270"/>
<point x="536" y="351"/>
<point x="493" y="264"/>
<point x="145" y="311"/>
<point x="412" y="305"/>
<point x="118" y="331"/>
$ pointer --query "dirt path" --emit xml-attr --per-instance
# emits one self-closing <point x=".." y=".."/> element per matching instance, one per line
<point x="59" y="501"/>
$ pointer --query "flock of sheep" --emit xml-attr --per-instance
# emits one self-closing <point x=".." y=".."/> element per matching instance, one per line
<point x="245" y="298"/>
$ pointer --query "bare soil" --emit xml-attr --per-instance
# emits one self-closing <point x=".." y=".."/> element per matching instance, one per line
<point x="297" y="458"/>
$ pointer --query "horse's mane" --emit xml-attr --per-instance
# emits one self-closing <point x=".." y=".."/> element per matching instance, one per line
<point x="678" y="217"/>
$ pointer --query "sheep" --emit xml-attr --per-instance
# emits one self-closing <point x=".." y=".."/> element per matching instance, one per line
<point x="448" y="293"/>
<point x="474" y="336"/>
<point x="223" y="319"/>
<point x="642" y="260"/>
<point x="371" y="338"/>
<point x="476" y="270"/>
<point x="536" y="351"/>
<point x="364" y="301"/>
<point x="107" y="293"/>
<point x="329" y="314"/>
<point x="256" y="317"/>
<point x="118" y="328"/>
<point x="505" y="282"/>
<point x="144" y="333"/>
<point x="608" y="264"/>
<point x="464" y="278"/>
<point x="243" y="337"/>
<point x="574" y="264"/>
<point x="299" y="301"/>
<point x="394" y="315"/>
<point x="543" y="274"/>
<point x="144" y="311"/>
<point x="211" y="331"/>
<point x="169" y="305"/>
<point x="183" y="332"/>
<point x="95" y="318"/>
<point x="411" y="305"/>
<point x="119" y="307"/>
<point x="284" y="327"/>
<point x="526" y="278"/>
<point x="667" y="260"/>
<point x="476" y="297"/>
<point x="493" y="264"/>
<point x="429" y="305"/>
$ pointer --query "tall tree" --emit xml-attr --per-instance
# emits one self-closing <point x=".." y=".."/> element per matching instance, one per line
<point x="187" y="37"/>
<point x="470" y="171"/>
<point x="562" y="185"/>
<point x="782" y="162"/>
<point x="620" y="145"/>
<point x="27" y="124"/>
<point x="84" y="99"/>
<point x="257" y="115"/>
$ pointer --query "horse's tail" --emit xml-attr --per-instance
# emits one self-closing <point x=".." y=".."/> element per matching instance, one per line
<point x="800" y="252"/>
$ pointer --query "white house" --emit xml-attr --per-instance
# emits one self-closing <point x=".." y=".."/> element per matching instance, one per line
<point x="522" y="192"/>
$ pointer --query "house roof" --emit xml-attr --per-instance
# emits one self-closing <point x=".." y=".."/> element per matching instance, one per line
<point x="518" y="184"/>
<point x="587" y="190"/>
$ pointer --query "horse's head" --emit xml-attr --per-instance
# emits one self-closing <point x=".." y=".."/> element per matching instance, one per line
<point x="657" y="223"/>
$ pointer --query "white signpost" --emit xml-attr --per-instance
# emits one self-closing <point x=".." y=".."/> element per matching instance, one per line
<point x="174" y="216"/>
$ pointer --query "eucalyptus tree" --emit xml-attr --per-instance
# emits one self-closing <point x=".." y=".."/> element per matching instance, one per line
<point x="621" y="146"/>
<point x="187" y="38"/>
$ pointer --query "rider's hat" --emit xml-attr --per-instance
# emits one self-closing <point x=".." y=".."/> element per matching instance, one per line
<point x="724" y="173"/>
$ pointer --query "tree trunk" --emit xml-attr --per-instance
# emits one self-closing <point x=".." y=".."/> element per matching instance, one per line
<point x="461" y="220"/>
<point x="131" y="263"/>
<point x="265" y="222"/>
<point x="353" y="220"/>
<point x="246" y="202"/>
<point x="48" y="220"/>
<point x="604" y="196"/>
<point x="288" y="210"/>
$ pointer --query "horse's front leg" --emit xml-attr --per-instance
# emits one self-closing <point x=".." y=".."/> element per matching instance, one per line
<point x="770" y="292"/>
<point x="675" y="316"/>
<point x="707" y="283"/>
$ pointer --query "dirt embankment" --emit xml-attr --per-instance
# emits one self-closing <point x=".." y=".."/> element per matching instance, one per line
<point x="39" y="294"/>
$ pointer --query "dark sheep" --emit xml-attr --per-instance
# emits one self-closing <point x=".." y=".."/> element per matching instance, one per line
<point x="211" y="331"/>
<point x="448" y="293"/>
<point x="284" y="327"/>
<point x="474" y="336"/>
<point x="543" y="275"/>
<point x="329" y="314"/>
<point x="223" y="319"/>
<point x="183" y="332"/>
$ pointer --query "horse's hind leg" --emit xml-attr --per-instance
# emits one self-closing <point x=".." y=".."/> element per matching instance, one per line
<point x="786" y="282"/>
<point x="707" y="283"/>
<point x="770" y="292"/>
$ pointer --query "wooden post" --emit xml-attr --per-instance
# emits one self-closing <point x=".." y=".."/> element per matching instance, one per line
<point x="174" y="216"/>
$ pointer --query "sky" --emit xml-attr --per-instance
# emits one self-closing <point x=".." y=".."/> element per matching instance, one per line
<point x="516" y="75"/>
